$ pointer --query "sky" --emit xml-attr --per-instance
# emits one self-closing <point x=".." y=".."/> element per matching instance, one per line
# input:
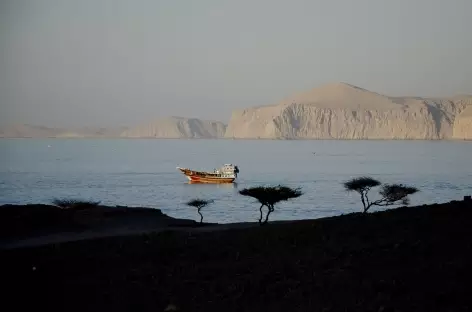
<point x="116" y="62"/>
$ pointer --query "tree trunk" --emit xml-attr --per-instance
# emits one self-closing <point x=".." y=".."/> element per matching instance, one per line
<point x="363" y="203"/>
<point x="260" y="218"/>
<point x="201" y="216"/>
<point x="270" y="209"/>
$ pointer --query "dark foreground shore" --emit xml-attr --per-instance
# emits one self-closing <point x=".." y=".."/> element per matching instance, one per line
<point x="35" y="225"/>
<point x="405" y="259"/>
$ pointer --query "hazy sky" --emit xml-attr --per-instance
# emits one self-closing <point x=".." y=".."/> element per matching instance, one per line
<point x="112" y="62"/>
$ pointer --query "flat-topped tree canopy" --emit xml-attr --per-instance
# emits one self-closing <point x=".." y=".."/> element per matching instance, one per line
<point x="361" y="184"/>
<point x="270" y="195"/>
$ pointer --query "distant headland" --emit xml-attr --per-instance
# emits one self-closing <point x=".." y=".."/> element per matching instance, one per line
<point x="333" y="111"/>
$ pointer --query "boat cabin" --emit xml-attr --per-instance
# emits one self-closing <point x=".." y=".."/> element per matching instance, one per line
<point x="227" y="170"/>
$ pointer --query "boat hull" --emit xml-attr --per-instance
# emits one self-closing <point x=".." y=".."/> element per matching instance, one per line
<point x="203" y="177"/>
<point x="196" y="179"/>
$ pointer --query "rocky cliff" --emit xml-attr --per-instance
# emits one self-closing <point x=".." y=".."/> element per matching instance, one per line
<point x="343" y="111"/>
<point x="463" y="124"/>
<point x="177" y="128"/>
<point x="173" y="127"/>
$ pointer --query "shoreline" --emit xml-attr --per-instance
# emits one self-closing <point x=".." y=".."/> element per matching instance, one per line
<point x="34" y="225"/>
<point x="94" y="223"/>
<point x="401" y="259"/>
<point x="236" y="139"/>
<point x="42" y="224"/>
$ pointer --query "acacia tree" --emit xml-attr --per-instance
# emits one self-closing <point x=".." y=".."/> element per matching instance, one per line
<point x="269" y="196"/>
<point x="390" y="194"/>
<point x="199" y="204"/>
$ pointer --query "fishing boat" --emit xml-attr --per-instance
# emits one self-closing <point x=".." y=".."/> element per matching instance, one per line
<point x="226" y="174"/>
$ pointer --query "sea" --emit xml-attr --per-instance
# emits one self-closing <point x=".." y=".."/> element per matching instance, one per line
<point x="142" y="173"/>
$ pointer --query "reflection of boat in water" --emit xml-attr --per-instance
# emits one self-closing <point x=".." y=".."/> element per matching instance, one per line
<point x="226" y="174"/>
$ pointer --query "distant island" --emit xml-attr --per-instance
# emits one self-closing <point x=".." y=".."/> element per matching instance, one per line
<point x="332" y="111"/>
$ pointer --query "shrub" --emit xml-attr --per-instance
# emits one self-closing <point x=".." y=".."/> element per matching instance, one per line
<point x="74" y="203"/>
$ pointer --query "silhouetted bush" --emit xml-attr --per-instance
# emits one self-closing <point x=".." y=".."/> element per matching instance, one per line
<point x="199" y="204"/>
<point x="390" y="193"/>
<point x="74" y="203"/>
<point x="269" y="196"/>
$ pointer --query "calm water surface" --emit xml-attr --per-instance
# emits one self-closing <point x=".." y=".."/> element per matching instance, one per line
<point x="143" y="172"/>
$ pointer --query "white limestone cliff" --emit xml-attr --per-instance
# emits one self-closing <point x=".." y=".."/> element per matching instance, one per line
<point x="177" y="128"/>
<point x="343" y="111"/>
<point x="463" y="124"/>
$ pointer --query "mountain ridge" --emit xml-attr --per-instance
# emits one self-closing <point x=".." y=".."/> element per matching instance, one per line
<point x="344" y="111"/>
<point x="336" y="110"/>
